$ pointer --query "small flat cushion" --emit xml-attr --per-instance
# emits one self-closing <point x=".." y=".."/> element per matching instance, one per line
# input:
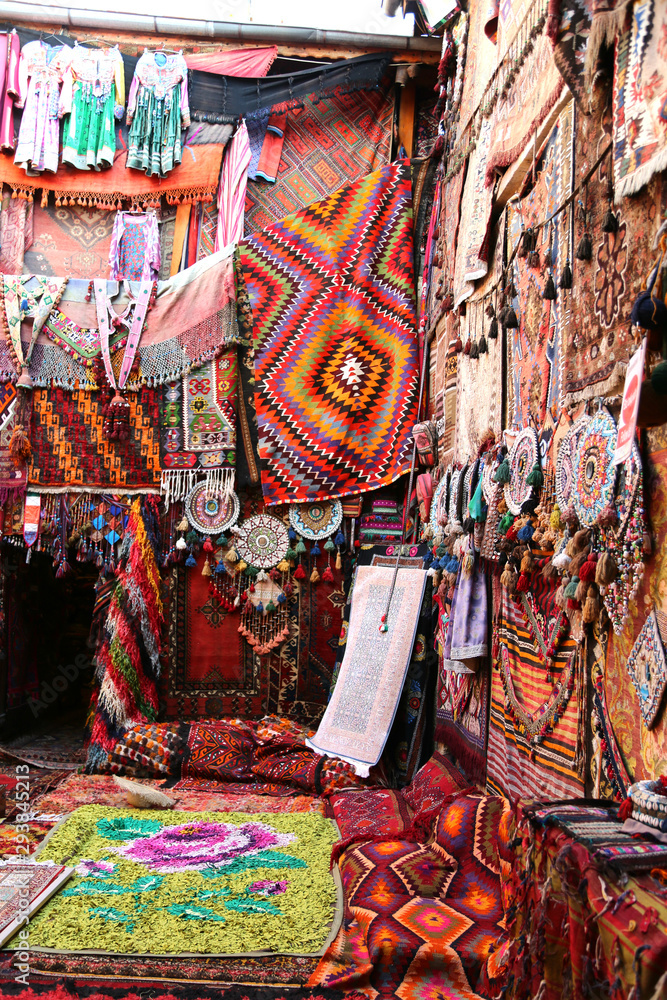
<point x="288" y="765"/>
<point x="369" y="812"/>
<point x="220" y="752"/>
<point x="431" y="785"/>
<point x="148" y="749"/>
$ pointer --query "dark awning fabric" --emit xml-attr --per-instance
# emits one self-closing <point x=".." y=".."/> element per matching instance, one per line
<point x="219" y="99"/>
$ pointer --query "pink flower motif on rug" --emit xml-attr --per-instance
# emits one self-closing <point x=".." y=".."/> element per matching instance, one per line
<point x="200" y="845"/>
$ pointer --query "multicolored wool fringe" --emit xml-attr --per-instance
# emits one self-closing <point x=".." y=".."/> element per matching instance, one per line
<point x="128" y="655"/>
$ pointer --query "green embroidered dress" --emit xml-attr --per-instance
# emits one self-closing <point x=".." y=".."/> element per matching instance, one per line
<point x="157" y="110"/>
<point x="93" y="94"/>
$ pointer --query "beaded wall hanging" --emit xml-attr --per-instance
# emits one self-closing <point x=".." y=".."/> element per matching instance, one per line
<point x="439" y="504"/>
<point x="316" y="520"/>
<point x="593" y="474"/>
<point x="522" y="459"/>
<point x="565" y="463"/>
<point x="647" y="667"/>
<point x="211" y="511"/>
<point x="262" y="541"/>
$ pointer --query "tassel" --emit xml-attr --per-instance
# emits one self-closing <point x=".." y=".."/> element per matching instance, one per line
<point x="508" y="579"/>
<point x="566" y="276"/>
<point x="511" y="322"/>
<point x="559" y="596"/>
<point x="525" y="245"/>
<point x="527" y="564"/>
<point x="493" y="329"/>
<point x="468" y="347"/>
<point x="588" y="570"/>
<point x="458" y="345"/>
<point x="181" y="544"/>
<point x="183" y="525"/>
<point x="549" y="571"/>
<point x="502" y="474"/>
<point x="241" y="566"/>
<point x="206" y="570"/>
<point x="548" y="259"/>
<point x="609" y="222"/>
<point x="300" y="547"/>
<point x="208" y="544"/>
<point x="561" y="561"/>
<point x="591" y="610"/>
<point x="483" y="346"/>
<point x="535" y="477"/>
<point x="474" y="350"/>
<point x="582" y="538"/>
<point x="571" y="589"/>
<point x="339" y="561"/>
<point x="232" y="556"/>
<point x="191" y="561"/>
<point x="283" y="566"/>
<point x="606" y="570"/>
<point x="534" y="258"/>
<point x="577" y="562"/>
<point x="314" y="576"/>
<point x="522" y="584"/>
<point x="549" y="289"/>
<point x="299" y="573"/>
<point x="328" y="574"/>
<point x="555" y="519"/>
<point x="582" y="591"/>
<point x="608" y="516"/>
<point x="20" y="448"/>
<point x="584" y="248"/>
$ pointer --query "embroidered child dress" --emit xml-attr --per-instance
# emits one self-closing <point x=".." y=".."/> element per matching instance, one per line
<point x="42" y="69"/>
<point x="93" y="95"/>
<point x="157" y="110"/>
<point x="135" y="247"/>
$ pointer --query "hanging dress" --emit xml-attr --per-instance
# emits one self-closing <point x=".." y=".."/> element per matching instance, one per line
<point x="10" y="49"/>
<point x="92" y="96"/>
<point x="42" y="69"/>
<point x="157" y="110"/>
<point x="135" y="247"/>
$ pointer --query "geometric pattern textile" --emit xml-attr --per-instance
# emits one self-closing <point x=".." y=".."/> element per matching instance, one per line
<point x="437" y="779"/>
<point x="422" y="919"/>
<point x="70" y="451"/>
<point x="332" y="293"/>
<point x="220" y="751"/>
<point x="363" y="814"/>
<point x="464" y="733"/>
<point x="524" y="703"/>
<point x="328" y="143"/>
<point x="198" y="417"/>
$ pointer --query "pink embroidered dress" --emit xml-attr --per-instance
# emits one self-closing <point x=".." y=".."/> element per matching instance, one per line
<point x="135" y="247"/>
<point x="42" y="69"/>
<point x="10" y="54"/>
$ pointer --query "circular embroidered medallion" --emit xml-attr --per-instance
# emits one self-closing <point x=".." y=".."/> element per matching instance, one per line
<point x="316" y="520"/>
<point x="211" y="511"/>
<point x="439" y="503"/>
<point x="262" y="541"/>
<point x="565" y="463"/>
<point x="593" y="474"/>
<point x="522" y="458"/>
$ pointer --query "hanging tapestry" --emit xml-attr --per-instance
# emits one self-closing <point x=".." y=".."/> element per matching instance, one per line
<point x="569" y="37"/>
<point x="16" y="233"/>
<point x="535" y="345"/>
<point x="480" y="57"/>
<point x="13" y="479"/>
<point x="336" y="345"/>
<point x="472" y="248"/>
<point x="198" y="424"/>
<point x="534" y="728"/>
<point x="328" y="144"/>
<point x="358" y="718"/>
<point x="534" y="92"/>
<point x="299" y="672"/>
<point x="184" y="882"/>
<point x="647" y="667"/>
<point x="450" y="216"/>
<point x="70" y="240"/>
<point x="640" y="99"/>
<point x="596" y="328"/>
<point x="462" y="717"/>
<point x="71" y="453"/>
<point x="195" y="179"/>
<point x="194" y="317"/>
<point x="212" y="672"/>
<point x="644" y="749"/>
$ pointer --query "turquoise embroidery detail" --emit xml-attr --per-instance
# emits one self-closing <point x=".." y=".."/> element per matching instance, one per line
<point x="189" y="911"/>
<point x="127" y="829"/>
<point x="265" y="859"/>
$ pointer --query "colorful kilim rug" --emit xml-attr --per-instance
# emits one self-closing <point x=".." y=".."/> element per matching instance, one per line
<point x="462" y="729"/>
<point x="59" y="747"/>
<point x="644" y="750"/>
<point x="531" y="97"/>
<point x="153" y="882"/>
<point x="536" y="350"/>
<point x="640" y="99"/>
<point x="526" y="708"/>
<point x="70" y="451"/>
<point x="212" y="671"/>
<point x="328" y="143"/>
<point x="596" y="342"/>
<point x="569" y="41"/>
<point x="12" y="479"/>
<point x="70" y="240"/>
<point x="336" y="358"/>
<point x="198" y="417"/>
<point x="358" y="718"/>
<point x="422" y="920"/>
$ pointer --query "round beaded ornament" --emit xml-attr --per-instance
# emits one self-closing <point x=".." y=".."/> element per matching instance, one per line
<point x="522" y="458"/>
<point x="262" y="541"/>
<point x="316" y="520"/>
<point x="211" y="511"/>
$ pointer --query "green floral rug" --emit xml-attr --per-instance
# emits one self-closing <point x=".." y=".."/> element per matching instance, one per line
<point x="171" y="883"/>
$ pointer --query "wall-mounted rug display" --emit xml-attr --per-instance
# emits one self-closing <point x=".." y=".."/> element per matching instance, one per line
<point x="316" y="520"/>
<point x="647" y="667"/>
<point x="523" y="456"/>
<point x="332" y="291"/>
<point x="211" y="511"/>
<point x="167" y="883"/>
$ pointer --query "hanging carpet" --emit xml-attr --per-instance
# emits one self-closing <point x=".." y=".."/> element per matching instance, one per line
<point x="328" y="143"/>
<point x="462" y="718"/>
<point x="69" y="240"/>
<point x="359" y="715"/>
<point x="332" y="292"/>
